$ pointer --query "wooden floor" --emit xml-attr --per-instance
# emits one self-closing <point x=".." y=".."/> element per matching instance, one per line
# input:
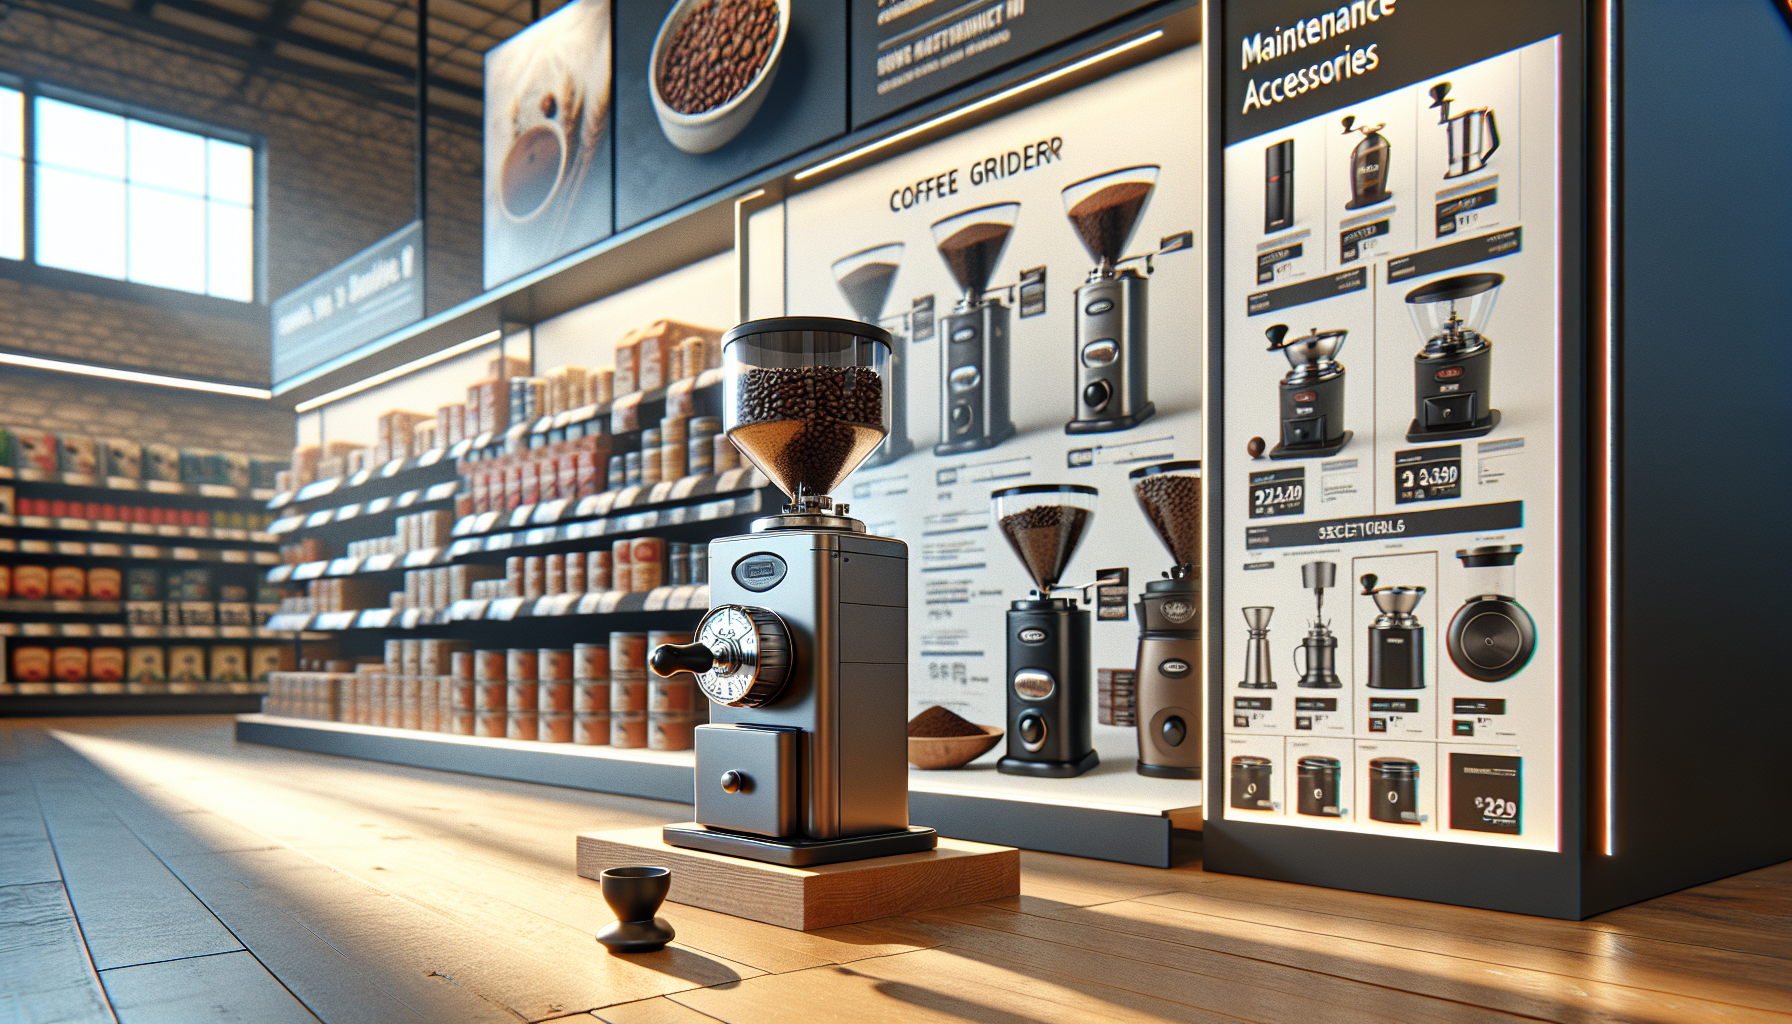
<point x="152" y="870"/>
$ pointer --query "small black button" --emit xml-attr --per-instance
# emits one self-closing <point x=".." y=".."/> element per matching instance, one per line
<point x="1096" y="395"/>
<point x="1032" y="729"/>
<point x="961" y="418"/>
<point x="1174" y="731"/>
<point x="1449" y="410"/>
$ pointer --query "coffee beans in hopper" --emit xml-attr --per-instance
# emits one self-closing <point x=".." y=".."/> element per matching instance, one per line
<point x="1044" y="537"/>
<point x="1173" y="502"/>
<point x="809" y="426"/>
<point x="716" y="52"/>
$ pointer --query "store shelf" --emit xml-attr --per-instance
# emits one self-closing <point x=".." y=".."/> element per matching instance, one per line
<point x="22" y="606"/>
<point x="402" y="502"/>
<point x="90" y="704"/>
<point x="137" y="552"/>
<point x="396" y="475"/>
<point x="1111" y="813"/>
<point x="11" y="525"/>
<point x="119" y="483"/>
<point x="684" y="598"/>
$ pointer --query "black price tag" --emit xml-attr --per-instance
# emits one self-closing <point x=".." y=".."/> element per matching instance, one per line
<point x="1459" y="212"/>
<point x="1267" y="262"/>
<point x="920" y="319"/>
<point x="1350" y="243"/>
<point x="1484" y="792"/>
<point x="1279" y="492"/>
<point x="1428" y="474"/>
<point x="1032" y="291"/>
<point x="1111" y="596"/>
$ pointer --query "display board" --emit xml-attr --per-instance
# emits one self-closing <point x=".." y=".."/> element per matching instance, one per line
<point x="1390" y="442"/>
<point x="375" y="291"/>
<point x="874" y="245"/>
<point x="907" y="51"/>
<point x="690" y="119"/>
<point x="548" y="140"/>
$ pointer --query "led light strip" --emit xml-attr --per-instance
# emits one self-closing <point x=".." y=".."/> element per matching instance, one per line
<point x="133" y="376"/>
<point x="398" y="371"/>
<point x="971" y="108"/>
<point x="1609" y="316"/>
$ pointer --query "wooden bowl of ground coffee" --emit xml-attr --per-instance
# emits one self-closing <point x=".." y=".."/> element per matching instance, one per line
<point x="939" y="739"/>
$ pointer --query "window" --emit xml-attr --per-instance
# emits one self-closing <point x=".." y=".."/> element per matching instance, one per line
<point x="129" y="199"/>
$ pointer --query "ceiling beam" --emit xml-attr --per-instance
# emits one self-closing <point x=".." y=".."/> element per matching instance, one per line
<point x="402" y="98"/>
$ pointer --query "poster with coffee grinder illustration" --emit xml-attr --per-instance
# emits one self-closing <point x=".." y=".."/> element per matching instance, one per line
<point x="1038" y="274"/>
<point x="708" y="91"/>
<point x="548" y="141"/>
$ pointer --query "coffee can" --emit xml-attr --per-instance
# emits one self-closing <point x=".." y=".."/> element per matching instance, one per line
<point x="590" y="697"/>
<point x="522" y="695"/>
<point x="628" y="729"/>
<point x="493" y="724"/>
<point x="671" y="695"/>
<point x="597" y="571"/>
<point x="556" y="696"/>
<point x="555" y="664"/>
<point x="591" y="730"/>
<point x="554" y="727"/>
<point x="462" y="666"/>
<point x="669" y="731"/>
<point x="522" y="725"/>
<point x="576" y="572"/>
<point x="554" y="575"/>
<point x="523" y="663"/>
<point x="591" y="661"/>
<point x="628" y="654"/>
<point x="628" y="694"/>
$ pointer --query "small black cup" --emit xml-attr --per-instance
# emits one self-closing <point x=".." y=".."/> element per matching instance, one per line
<point x="634" y="893"/>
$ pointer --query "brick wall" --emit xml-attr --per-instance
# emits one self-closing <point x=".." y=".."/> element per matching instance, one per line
<point x="72" y="404"/>
<point x="340" y="175"/>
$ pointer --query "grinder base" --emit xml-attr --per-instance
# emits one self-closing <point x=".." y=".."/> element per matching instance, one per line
<point x="1048" y="769"/>
<point x="797" y="853"/>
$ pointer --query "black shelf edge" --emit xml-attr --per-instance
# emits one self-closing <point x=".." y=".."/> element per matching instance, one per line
<point x="92" y="704"/>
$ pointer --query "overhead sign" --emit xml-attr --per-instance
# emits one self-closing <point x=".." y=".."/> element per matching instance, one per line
<point x="375" y="292"/>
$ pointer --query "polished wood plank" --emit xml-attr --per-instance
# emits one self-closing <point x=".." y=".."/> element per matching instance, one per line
<point x="229" y="988"/>
<point x="44" y="971"/>
<point x="1591" y="950"/>
<point x="375" y="893"/>
<point x="131" y="909"/>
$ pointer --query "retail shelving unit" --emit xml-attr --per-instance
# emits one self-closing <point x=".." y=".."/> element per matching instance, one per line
<point x="238" y="556"/>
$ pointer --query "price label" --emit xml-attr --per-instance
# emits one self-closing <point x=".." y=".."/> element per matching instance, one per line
<point x="1466" y="212"/>
<point x="1485" y="793"/>
<point x="1278" y="492"/>
<point x="1277" y="264"/>
<point x="1428" y="474"/>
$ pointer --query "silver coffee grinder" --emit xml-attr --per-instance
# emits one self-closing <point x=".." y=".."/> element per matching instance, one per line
<point x="974" y="352"/>
<point x="1320" y="647"/>
<point x="804" y="651"/>
<point x="1258" y="675"/>
<point x="1168" y="670"/>
<point x="1472" y="135"/>
<point x="1110" y="389"/>
<point x="864" y="278"/>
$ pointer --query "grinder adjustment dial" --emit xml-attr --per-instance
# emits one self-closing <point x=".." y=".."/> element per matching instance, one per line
<point x="740" y="656"/>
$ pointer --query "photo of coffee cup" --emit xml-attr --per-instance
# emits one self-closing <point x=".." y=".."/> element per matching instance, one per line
<point x="532" y="172"/>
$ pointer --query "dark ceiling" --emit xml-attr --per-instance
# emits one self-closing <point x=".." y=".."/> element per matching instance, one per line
<point x="365" y="45"/>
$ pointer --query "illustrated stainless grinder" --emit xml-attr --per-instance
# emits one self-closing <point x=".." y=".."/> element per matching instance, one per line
<point x="1169" y="664"/>
<point x="1049" y="706"/>
<point x="1110" y="377"/>
<point x="1319" y="647"/>
<point x="1311" y="395"/>
<point x="1396" y="637"/>
<point x="864" y="278"/>
<point x="804" y="651"/>
<point x="974" y="352"/>
<point x="1472" y="135"/>
<point x="1453" y="373"/>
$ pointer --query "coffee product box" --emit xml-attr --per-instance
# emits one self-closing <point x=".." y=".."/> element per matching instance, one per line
<point x="30" y="664"/>
<point x="143" y="583"/>
<point x="186" y="664"/>
<point x="233" y="470"/>
<point x="31" y="582"/>
<point x="79" y="453"/>
<point x="266" y="659"/>
<point x="69" y="665"/>
<point x="68" y="583"/>
<point x="124" y="457"/>
<point x="8" y="504"/>
<point x="161" y="462"/>
<point x="146" y="665"/>
<point x="229" y="664"/>
<point x="627" y="376"/>
<point x="9" y="447"/>
<point x="104" y="583"/>
<point x="38" y="451"/>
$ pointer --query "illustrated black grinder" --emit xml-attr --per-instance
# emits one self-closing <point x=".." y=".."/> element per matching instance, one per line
<point x="1492" y="637"/>
<point x="1110" y="390"/>
<point x="1169" y="665"/>
<point x="1396" y="637"/>
<point x="1049" y="706"/>
<point x="804" y="651"/>
<point x="1319" y="647"/>
<point x="974" y="355"/>
<point x="1368" y="166"/>
<point x="1453" y="373"/>
<point x="864" y="278"/>
<point x="1311" y="395"/>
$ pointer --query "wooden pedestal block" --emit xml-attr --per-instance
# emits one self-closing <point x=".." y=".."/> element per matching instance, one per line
<point x="953" y="875"/>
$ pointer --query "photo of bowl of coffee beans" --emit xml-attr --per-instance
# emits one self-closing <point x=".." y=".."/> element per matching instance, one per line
<point x="939" y="739"/>
<point x="713" y="63"/>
